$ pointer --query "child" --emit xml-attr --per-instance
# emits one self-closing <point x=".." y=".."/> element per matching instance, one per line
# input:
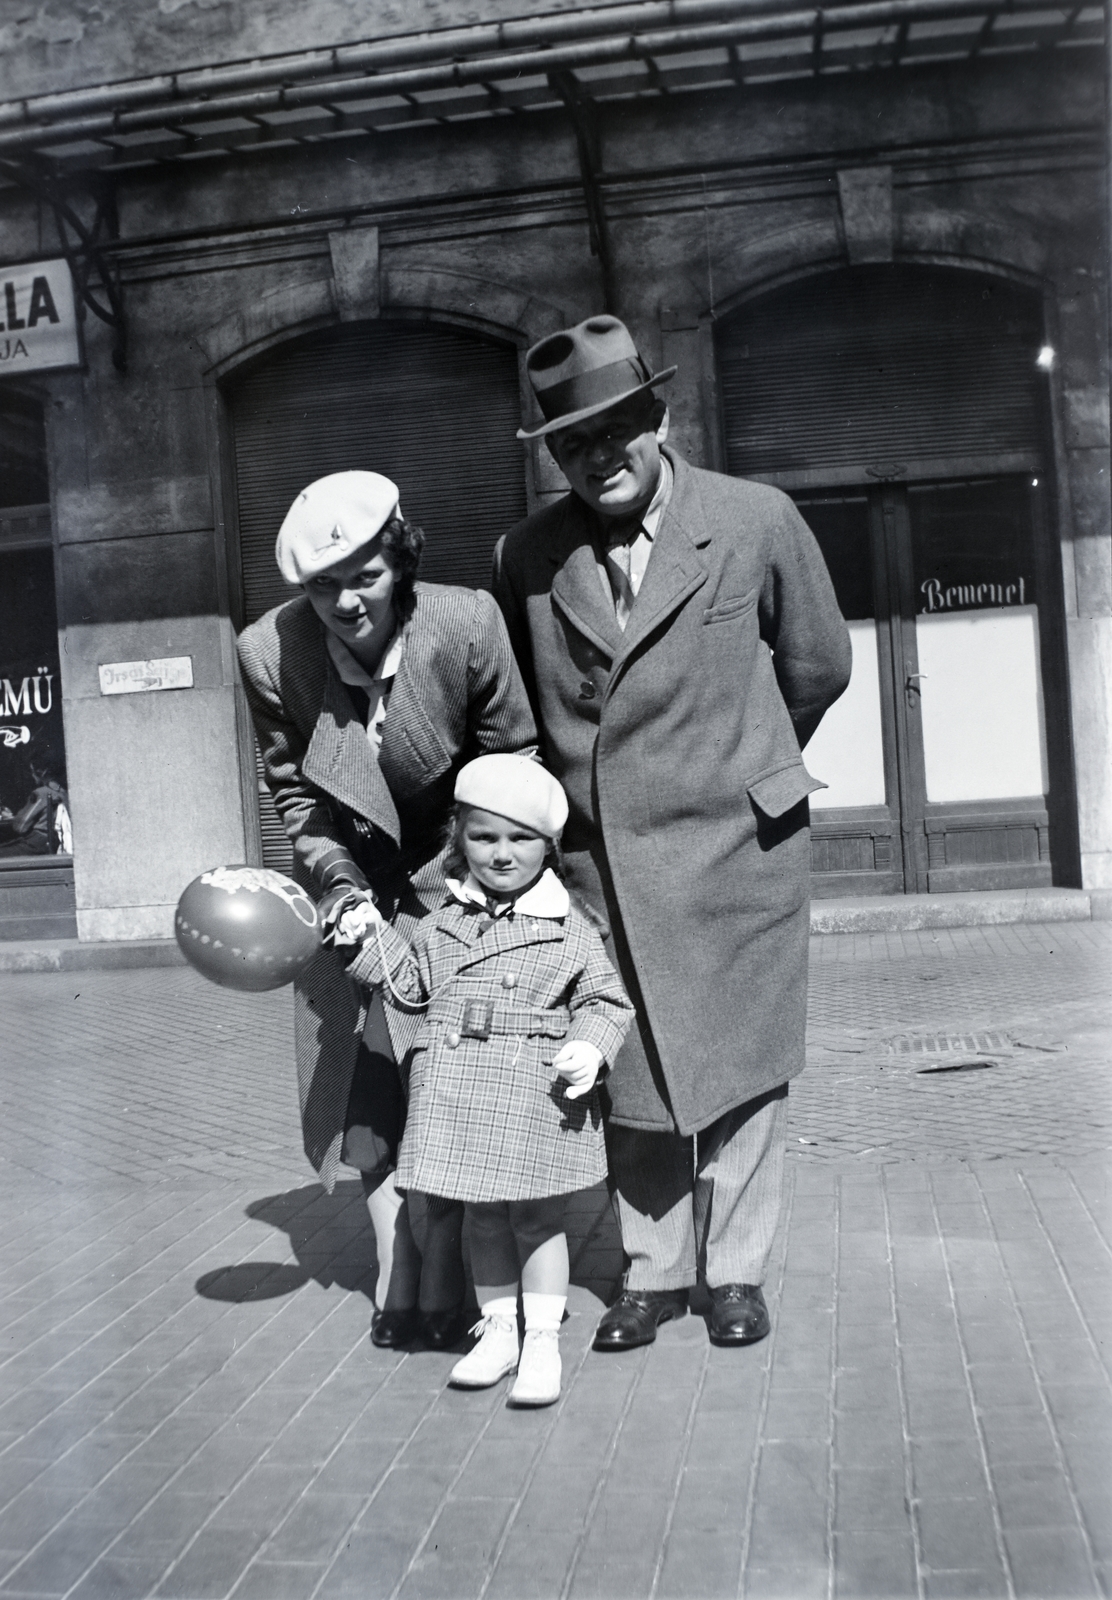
<point x="521" y="1009"/>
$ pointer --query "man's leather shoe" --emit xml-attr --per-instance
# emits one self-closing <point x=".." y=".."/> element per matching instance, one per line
<point x="635" y="1316"/>
<point x="738" y="1314"/>
<point x="393" y="1330"/>
<point x="443" y="1329"/>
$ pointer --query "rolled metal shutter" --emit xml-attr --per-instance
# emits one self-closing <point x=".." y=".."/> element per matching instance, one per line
<point x="879" y="363"/>
<point x="433" y="407"/>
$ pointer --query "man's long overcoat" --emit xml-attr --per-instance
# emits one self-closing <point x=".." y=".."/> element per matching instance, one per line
<point x="678" y="742"/>
<point x="457" y="694"/>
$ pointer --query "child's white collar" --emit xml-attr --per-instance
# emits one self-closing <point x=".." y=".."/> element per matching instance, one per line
<point x="547" y="897"/>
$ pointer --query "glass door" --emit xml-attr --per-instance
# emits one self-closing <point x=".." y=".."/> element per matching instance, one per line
<point x="937" y="756"/>
<point x="977" y="684"/>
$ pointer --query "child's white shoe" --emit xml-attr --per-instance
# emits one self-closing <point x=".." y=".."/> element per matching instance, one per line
<point x="538" y="1373"/>
<point x="493" y="1356"/>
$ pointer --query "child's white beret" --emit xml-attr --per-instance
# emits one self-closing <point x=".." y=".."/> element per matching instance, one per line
<point x="332" y="519"/>
<point x="517" y="788"/>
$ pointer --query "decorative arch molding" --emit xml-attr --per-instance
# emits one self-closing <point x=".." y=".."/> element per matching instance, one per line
<point x="482" y="304"/>
<point x="280" y="313"/>
<point x="429" y="291"/>
<point x="935" y="238"/>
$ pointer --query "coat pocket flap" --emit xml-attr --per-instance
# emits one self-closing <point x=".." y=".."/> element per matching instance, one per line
<point x="735" y="606"/>
<point x="779" y="791"/>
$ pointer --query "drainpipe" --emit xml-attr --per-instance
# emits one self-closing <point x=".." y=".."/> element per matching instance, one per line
<point x="584" y="121"/>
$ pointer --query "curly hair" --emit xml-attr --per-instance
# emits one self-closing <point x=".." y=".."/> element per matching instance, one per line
<point x="455" y="861"/>
<point x="402" y="544"/>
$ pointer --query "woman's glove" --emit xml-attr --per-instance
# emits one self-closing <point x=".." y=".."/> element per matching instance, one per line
<point x="348" y="915"/>
<point x="578" y="1062"/>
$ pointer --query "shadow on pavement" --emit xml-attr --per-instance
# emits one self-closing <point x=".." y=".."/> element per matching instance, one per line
<point x="331" y="1238"/>
<point x="254" y="1280"/>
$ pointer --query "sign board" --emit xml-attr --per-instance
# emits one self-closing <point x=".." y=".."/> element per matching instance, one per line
<point x="38" y="318"/>
<point x="141" y="677"/>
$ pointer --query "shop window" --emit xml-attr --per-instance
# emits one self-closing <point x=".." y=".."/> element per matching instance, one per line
<point x="36" y="837"/>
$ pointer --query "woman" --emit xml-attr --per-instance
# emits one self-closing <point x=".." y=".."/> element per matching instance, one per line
<point x="369" y="692"/>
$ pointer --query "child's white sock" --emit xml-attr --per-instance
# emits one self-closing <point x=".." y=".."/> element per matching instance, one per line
<point x="504" y="1307"/>
<point x="542" y="1311"/>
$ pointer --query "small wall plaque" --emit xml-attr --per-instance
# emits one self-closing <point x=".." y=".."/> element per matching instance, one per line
<point x="142" y="677"/>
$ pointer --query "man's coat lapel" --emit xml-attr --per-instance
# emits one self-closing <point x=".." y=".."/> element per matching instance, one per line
<point x="676" y="568"/>
<point x="576" y="587"/>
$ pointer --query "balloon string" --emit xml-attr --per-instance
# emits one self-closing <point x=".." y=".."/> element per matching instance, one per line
<point x="401" y="1000"/>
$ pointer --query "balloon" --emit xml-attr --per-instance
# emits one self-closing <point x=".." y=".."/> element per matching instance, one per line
<point x="247" y="927"/>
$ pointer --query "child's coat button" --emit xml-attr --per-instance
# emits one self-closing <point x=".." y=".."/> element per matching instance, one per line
<point x="452" y="1041"/>
<point x="509" y="980"/>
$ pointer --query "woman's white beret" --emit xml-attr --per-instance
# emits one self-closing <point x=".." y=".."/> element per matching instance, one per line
<point x="517" y="788"/>
<point x="332" y="519"/>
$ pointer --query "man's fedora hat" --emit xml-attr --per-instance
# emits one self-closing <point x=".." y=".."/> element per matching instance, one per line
<point x="585" y="370"/>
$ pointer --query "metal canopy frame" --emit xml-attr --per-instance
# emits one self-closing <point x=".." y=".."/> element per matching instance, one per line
<point x="649" y="51"/>
<point x="82" y="246"/>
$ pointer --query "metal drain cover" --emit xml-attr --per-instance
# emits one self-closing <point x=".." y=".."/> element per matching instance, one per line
<point x="933" y="1044"/>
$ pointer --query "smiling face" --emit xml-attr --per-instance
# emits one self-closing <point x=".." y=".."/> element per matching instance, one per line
<point x="504" y="856"/>
<point x="354" y="598"/>
<point x="612" y="461"/>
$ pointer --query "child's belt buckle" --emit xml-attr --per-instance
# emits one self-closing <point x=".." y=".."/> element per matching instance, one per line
<point x="478" y="1019"/>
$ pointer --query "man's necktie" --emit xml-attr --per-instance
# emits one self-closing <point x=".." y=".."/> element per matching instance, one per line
<point x="618" y="567"/>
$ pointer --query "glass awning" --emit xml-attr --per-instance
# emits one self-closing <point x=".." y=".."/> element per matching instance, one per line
<point x="647" y="51"/>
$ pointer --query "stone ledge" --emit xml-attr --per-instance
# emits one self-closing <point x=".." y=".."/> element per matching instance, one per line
<point x="75" y="955"/>
<point x="907" y="913"/>
<point x="881" y="914"/>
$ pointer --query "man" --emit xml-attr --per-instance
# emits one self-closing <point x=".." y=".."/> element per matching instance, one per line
<point x="680" y="640"/>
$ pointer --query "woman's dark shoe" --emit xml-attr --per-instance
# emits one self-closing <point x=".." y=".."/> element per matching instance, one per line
<point x="441" y="1330"/>
<point x="738" y="1314"/>
<point x="393" y="1330"/>
<point x="635" y="1315"/>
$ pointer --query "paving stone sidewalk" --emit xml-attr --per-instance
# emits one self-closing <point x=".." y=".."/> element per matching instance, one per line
<point x="190" y="1406"/>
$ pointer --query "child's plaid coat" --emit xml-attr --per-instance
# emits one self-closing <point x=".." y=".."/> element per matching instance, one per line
<point x="488" y="1118"/>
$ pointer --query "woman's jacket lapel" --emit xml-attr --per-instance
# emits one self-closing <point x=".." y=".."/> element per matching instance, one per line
<point x="340" y="761"/>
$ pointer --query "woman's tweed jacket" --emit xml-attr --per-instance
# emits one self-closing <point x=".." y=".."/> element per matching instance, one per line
<point x="488" y="1119"/>
<point x="457" y="694"/>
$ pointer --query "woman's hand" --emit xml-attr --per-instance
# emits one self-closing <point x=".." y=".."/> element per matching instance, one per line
<point x="349" y="917"/>
<point x="579" y="1063"/>
<point x="353" y="926"/>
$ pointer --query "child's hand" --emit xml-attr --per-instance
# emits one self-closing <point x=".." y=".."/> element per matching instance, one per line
<point x="579" y="1063"/>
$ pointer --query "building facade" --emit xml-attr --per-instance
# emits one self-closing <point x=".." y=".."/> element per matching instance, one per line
<point x="871" y="238"/>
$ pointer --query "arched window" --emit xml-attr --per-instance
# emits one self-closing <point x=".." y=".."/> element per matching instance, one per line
<point x="904" y="409"/>
<point x="433" y="407"/>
